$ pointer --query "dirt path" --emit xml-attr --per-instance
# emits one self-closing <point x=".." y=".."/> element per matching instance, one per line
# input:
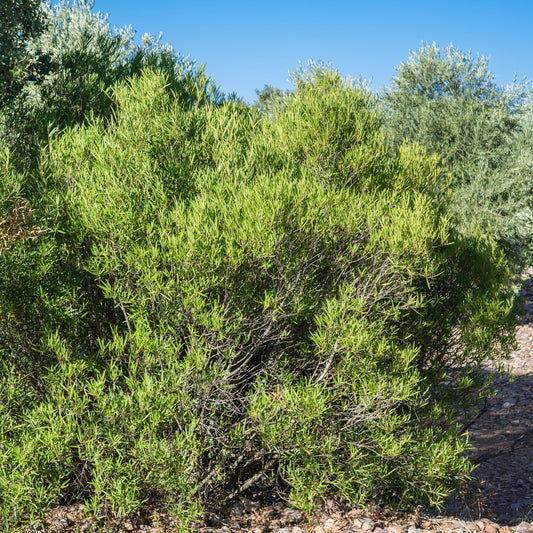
<point x="502" y="485"/>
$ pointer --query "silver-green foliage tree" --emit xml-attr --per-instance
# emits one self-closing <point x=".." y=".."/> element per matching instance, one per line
<point x="270" y="100"/>
<point x="81" y="57"/>
<point x="449" y="102"/>
<point x="217" y="300"/>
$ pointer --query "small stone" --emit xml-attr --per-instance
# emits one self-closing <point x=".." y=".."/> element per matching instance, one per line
<point x="471" y="526"/>
<point x="329" y="524"/>
<point x="330" y="505"/>
<point x="491" y="528"/>
<point x="396" y="529"/>
<point x="284" y="530"/>
<point x="413" y="529"/>
<point x="506" y="529"/>
<point x="297" y="529"/>
<point x="524" y="527"/>
<point x="292" y="516"/>
<point x="260" y="529"/>
<point x="60" y="524"/>
<point x="368" y="524"/>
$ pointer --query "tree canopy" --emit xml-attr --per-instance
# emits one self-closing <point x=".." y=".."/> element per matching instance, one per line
<point x="449" y="102"/>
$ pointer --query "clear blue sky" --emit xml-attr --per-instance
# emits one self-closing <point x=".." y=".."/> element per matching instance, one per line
<point x="246" y="45"/>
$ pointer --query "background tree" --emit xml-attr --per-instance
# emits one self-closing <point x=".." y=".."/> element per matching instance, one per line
<point x="449" y="102"/>
<point x="19" y="21"/>
<point x="81" y="57"/>
<point x="270" y="99"/>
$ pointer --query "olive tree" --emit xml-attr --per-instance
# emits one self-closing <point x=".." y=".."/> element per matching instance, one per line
<point x="80" y="57"/>
<point x="449" y="102"/>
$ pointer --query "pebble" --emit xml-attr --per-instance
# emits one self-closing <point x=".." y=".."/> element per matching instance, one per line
<point x="368" y="524"/>
<point x="364" y="524"/>
<point x="395" y="529"/>
<point x="329" y="524"/>
<point x="292" y="516"/>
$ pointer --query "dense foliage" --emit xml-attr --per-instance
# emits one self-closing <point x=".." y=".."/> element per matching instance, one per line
<point x="20" y="20"/>
<point x="449" y="102"/>
<point x="198" y="296"/>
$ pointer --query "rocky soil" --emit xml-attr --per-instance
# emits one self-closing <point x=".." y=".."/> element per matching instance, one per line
<point x="498" y="500"/>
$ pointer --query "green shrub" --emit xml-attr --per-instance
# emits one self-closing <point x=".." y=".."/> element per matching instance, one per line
<point x="234" y="300"/>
